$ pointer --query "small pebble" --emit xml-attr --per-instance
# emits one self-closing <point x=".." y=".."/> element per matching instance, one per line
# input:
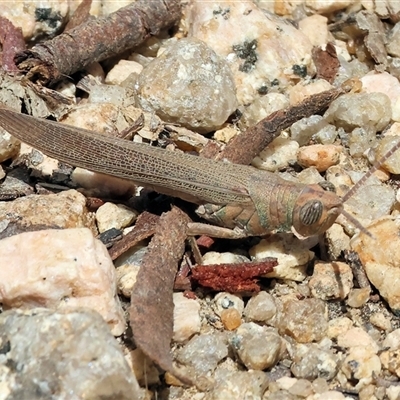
<point x="203" y="352"/>
<point x="304" y="320"/>
<point x="239" y="385"/>
<point x="381" y="321"/>
<point x="224" y="301"/>
<point x="278" y="155"/>
<point x="262" y="108"/>
<point x="293" y="256"/>
<point x="390" y="360"/>
<point x="315" y="27"/>
<point x="319" y="156"/>
<point x="261" y="308"/>
<point x="357" y="337"/>
<point x="392" y="340"/>
<point x="393" y="42"/>
<point x="304" y="89"/>
<point x="311" y="362"/>
<point x="360" y="109"/>
<point x="9" y="146"/>
<point x="122" y="70"/>
<point x="257" y="347"/>
<point x="186" y="318"/>
<point x="117" y="216"/>
<point x="307" y="128"/>
<point x="331" y="280"/>
<point x="380" y="257"/>
<point x="360" y="365"/>
<point x="231" y="319"/>
<point x="338" y="326"/>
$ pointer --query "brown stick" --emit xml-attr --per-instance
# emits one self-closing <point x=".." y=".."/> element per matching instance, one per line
<point x="244" y="147"/>
<point x="97" y="39"/>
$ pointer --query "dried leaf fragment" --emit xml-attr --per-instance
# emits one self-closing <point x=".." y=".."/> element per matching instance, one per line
<point x="241" y="277"/>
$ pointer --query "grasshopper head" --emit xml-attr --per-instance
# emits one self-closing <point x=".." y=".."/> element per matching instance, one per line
<point x="315" y="211"/>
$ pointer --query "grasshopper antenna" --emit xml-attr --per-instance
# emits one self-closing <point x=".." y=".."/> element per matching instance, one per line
<point x="374" y="168"/>
<point x="378" y="164"/>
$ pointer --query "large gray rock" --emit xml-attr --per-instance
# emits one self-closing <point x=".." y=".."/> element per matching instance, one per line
<point x="62" y="355"/>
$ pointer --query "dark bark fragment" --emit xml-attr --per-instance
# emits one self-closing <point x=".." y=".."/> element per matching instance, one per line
<point x="145" y="227"/>
<point x="151" y="313"/>
<point x="81" y="15"/>
<point x="97" y="40"/>
<point x="326" y="62"/>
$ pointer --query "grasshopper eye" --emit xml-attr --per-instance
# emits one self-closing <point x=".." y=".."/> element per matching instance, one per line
<point x="311" y="212"/>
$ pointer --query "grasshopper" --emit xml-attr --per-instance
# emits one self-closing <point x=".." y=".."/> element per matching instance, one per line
<point x="241" y="200"/>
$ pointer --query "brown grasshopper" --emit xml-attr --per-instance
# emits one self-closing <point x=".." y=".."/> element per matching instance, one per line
<point x="242" y="200"/>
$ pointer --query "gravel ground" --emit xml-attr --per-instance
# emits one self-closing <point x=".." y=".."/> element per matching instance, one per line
<point x="325" y="323"/>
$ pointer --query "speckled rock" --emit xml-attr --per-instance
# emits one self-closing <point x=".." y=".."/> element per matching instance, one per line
<point x="311" y="362"/>
<point x="117" y="216"/>
<point x="360" y="366"/>
<point x="60" y="269"/>
<point x="262" y="108"/>
<point x="224" y="301"/>
<point x="257" y="347"/>
<point x="331" y="281"/>
<point x="338" y="326"/>
<point x="239" y="385"/>
<point x="304" y="320"/>
<point x="190" y="85"/>
<point x="292" y="263"/>
<point x="9" y="145"/>
<point x="261" y="48"/>
<point x="67" y="354"/>
<point x="305" y="88"/>
<point x="37" y="18"/>
<point x="314" y="128"/>
<point x="391" y="165"/>
<point x="186" y="317"/>
<point x="203" y="352"/>
<point x="261" y="308"/>
<point x="278" y="155"/>
<point x="63" y="210"/>
<point x="360" y="109"/>
<point x="381" y="262"/>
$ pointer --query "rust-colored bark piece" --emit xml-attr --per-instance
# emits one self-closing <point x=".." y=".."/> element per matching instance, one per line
<point x="145" y="227"/>
<point x="12" y="41"/>
<point x="151" y="313"/>
<point x="97" y="39"/>
<point x="245" y="146"/>
<point x="234" y="278"/>
<point x="326" y="62"/>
